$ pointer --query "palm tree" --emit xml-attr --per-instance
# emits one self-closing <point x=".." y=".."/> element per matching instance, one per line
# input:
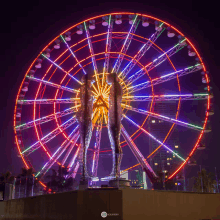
<point x="26" y="179"/>
<point x="204" y="182"/>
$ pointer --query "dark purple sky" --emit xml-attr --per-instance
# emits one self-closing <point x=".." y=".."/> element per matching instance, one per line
<point x="25" y="28"/>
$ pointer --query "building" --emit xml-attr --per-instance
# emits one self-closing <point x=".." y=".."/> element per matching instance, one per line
<point x="163" y="160"/>
<point x="138" y="178"/>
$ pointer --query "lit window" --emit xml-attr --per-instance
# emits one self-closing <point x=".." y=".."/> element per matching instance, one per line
<point x="176" y="146"/>
<point x="168" y="158"/>
<point x="153" y="121"/>
<point x="155" y="164"/>
<point x="168" y="163"/>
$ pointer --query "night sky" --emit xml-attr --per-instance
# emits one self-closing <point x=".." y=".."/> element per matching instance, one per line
<point x="27" y="27"/>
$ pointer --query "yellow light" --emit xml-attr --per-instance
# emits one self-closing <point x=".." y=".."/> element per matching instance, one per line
<point x="168" y="158"/>
<point x="175" y="183"/>
<point x="167" y="151"/>
<point x="176" y="146"/>
<point x="156" y="164"/>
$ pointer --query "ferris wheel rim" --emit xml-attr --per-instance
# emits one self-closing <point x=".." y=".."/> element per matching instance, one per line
<point x="208" y="100"/>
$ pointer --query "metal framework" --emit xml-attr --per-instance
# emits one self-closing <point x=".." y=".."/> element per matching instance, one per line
<point x="49" y="136"/>
<point x="65" y="90"/>
<point x="165" y="78"/>
<point x="46" y="118"/>
<point x="47" y="101"/>
<point x="52" y="84"/>
<point x="155" y="63"/>
<point x="140" y="158"/>
<point x="141" y="52"/>
<point x="108" y="46"/>
<point x="160" y="98"/>
<point x="125" y="45"/>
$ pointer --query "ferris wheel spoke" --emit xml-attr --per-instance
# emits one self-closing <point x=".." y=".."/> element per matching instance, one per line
<point x="165" y="78"/>
<point x="73" y="54"/>
<point x="62" y="69"/>
<point x="74" y="169"/>
<point x="71" y="148"/>
<point x="73" y="164"/>
<point x="173" y="97"/>
<point x="164" y="118"/>
<point x="139" y="156"/>
<point x="154" y="138"/>
<point x="92" y="55"/>
<point x="47" y="118"/>
<point x="95" y="159"/>
<point x="156" y="62"/>
<point x="126" y="45"/>
<point x="108" y="47"/>
<point x="52" y="84"/>
<point x="49" y="136"/>
<point x="141" y="52"/>
<point x="57" y="154"/>
<point x="48" y="101"/>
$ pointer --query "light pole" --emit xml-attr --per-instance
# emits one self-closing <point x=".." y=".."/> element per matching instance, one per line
<point x="216" y="179"/>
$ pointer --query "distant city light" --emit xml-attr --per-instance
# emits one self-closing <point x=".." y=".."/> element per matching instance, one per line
<point x="176" y="146"/>
<point x="168" y="163"/>
<point x="155" y="164"/>
<point x="153" y="121"/>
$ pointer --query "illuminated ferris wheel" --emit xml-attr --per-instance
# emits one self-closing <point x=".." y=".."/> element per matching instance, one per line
<point x="154" y="62"/>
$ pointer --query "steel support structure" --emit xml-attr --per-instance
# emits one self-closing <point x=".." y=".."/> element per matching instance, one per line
<point x="141" y="52"/>
<point x="140" y="158"/>
<point x="155" y="63"/>
<point x="165" y="78"/>
<point x="49" y="136"/>
<point x="46" y="119"/>
<point x="125" y="45"/>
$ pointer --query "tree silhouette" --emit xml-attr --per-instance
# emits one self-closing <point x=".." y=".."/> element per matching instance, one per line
<point x="59" y="182"/>
<point x="4" y="179"/>
<point x="204" y="182"/>
<point x="26" y="179"/>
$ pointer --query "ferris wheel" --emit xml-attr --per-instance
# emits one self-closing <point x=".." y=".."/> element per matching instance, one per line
<point x="154" y="62"/>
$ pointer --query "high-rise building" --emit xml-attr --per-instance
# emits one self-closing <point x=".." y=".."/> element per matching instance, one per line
<point x="163" y="159"/>
<point x="138" y="178"/>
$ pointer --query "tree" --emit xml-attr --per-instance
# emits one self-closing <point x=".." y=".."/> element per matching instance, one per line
<point x="204" y="182"/>
<point x="158" y="185"/>
<point x="26" y="179"/>
<point x="59" y="181"/>
<point x="4" y="179"/>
